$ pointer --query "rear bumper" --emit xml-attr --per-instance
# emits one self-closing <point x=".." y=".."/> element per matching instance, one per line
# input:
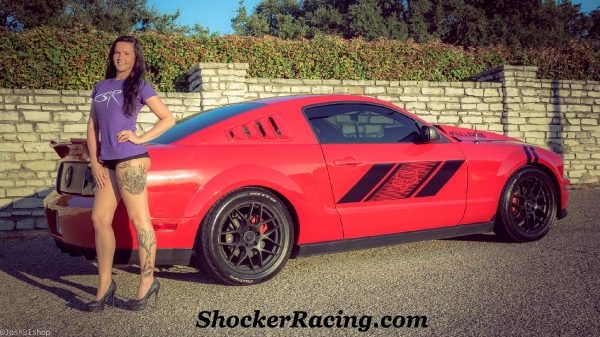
<point x="164" y="257"/>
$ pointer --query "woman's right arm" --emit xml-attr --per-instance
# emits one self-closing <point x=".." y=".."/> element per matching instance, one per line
<point x="98" y="172"/>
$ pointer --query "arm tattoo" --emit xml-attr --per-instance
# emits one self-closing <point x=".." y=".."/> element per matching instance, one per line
<point x="132" y="178"/>
<point x="146" y="239"/>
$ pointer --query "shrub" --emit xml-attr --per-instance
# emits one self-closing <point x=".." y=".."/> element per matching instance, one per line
<point x="51" y="58"/>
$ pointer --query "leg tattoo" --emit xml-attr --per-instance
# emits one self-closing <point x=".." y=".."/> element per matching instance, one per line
<point x="146" y="239"/>
<point x="133" y="178"/>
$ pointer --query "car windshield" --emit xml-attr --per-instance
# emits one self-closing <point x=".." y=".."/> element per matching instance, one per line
<point x="186" y="126"/>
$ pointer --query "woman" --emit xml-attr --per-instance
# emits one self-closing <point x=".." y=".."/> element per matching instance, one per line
<point x="117" y="101"/>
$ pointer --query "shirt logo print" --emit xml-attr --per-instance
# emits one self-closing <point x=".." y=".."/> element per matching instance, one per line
<point x="107" y="96"/>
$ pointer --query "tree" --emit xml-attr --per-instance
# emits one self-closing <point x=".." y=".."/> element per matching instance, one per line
<point x="113" y="16"/>
<point x="23" y="14"/>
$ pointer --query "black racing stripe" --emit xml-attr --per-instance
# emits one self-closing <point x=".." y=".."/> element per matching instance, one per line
<point x="535" y="155"/>
<point x="435" y="166"/>
<point x="527" y="154"/>
<point x="366" y="183"/>
<point x="381" y="185"/>
<point x="440" y="179"/>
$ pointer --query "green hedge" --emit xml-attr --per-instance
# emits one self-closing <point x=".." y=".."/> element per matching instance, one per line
<point x="50" y="58"/>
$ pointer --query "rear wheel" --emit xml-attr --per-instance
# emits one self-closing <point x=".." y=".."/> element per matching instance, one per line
<point x="246" y="237"/>
<point x="527" y="206"/>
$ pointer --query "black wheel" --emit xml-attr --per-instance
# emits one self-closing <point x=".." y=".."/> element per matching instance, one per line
<point x="246" y="237"/>
<point x="527" y="206"/>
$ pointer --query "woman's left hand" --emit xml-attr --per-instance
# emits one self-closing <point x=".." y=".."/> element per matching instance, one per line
<point x="128" y="135"/>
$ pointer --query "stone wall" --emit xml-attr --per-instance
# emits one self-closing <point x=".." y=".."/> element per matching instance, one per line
<point x="559" y="115"/>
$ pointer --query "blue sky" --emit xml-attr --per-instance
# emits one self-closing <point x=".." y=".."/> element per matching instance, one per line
<point x="217" y="15"/>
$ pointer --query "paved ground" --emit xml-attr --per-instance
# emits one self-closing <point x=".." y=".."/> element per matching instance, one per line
<point x="473" y="286"/>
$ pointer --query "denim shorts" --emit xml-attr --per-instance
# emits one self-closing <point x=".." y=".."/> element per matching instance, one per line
<point x="111" y="164"/>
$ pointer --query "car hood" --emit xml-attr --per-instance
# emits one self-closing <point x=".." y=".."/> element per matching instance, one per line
<point x="468" y="135"/>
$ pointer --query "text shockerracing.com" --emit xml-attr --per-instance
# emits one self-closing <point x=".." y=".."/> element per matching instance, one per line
<point x="301" y="319"/>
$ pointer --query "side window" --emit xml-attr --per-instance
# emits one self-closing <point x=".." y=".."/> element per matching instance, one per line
<point x="361" y="123"/>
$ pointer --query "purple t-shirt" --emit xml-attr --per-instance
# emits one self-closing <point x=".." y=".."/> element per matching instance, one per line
<point x="108" y="105"/>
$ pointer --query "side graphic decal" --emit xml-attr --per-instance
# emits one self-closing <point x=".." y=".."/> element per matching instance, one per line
<point x="440" y="179"/>
<point x="366" y="183"/>
<point x="402" y="181"/>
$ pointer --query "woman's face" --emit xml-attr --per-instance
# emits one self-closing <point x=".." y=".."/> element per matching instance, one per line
<point x="123" y="58"/>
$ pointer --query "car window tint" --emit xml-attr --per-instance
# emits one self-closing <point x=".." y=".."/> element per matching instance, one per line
<point x="186" y="126"/>
<point x="361" y="123"/>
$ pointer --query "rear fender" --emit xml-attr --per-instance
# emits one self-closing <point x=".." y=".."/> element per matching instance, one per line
<point x="318" y="223"/>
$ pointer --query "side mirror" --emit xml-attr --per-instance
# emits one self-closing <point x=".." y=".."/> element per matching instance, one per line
<point x="429" y="134"/>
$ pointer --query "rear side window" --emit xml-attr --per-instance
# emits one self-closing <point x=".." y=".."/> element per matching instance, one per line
<point x="194" y="123"/>
<point x="360" y="124"/>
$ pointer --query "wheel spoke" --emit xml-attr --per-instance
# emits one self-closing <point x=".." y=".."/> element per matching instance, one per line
<point x="272" y="241"/>
<point x="250" y="212"/>
<point x="265" y="221"/>
<point x="517" y="205"/>
<point x="242" y="258"/>
<point x="260" y="214"/>
<point x="230" y="232"/>
<point x="240" y="214"/>
<point x="272" y="230"/>
<point x="250" y="260"/>
<point x="270" y="252"/>
<point x="535" y="183"/>
<point x="260" y="258"/>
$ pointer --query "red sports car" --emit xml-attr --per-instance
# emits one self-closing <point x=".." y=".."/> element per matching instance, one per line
<point x="248" y="185"/>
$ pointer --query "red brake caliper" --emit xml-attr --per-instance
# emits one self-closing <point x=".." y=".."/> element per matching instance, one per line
<point x="263" y="227"/>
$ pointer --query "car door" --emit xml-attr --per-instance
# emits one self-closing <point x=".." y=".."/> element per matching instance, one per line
<point x="383" y="177"/>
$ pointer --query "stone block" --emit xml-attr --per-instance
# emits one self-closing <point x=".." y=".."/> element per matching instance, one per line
<point x="48" y="127"/>
<point x="46" y="99"/>
<point x="27" y="138"/>
<point x="374" y="90"/>
<point x="432" y="91"/>
<point x="356" y="90"/>
<point x="28" y="203"/>
<point x="37" y="147"/>
<point x="307" y="89"/>
<point x="7" y="225"/>
<point x="589" y="121"/>
<point x="67" y="116"/>
<point x="25" y="224"/>
<point x="40" y="165"/>
<point x="448" y="119"/>
<point x="472" y="120"/>
<point x="36" y="116"/>
<point x="72" y="99"/>
<point x="322" y="90"/>
<point x="73" y="128"/>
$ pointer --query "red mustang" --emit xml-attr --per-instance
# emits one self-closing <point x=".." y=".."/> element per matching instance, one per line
<point x="248" y="185"/>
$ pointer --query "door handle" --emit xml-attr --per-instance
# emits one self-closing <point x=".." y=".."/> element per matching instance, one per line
<point x="347" y="161"/>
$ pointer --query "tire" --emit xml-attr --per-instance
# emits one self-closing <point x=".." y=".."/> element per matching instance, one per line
<point x="527" y="206"/>
<point x="246" y="237"/>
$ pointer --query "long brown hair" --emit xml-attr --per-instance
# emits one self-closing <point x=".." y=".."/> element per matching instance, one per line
<point x="131" y="86"/>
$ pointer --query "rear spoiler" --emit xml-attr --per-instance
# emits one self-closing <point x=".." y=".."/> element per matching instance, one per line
<point x="76" y="149"/>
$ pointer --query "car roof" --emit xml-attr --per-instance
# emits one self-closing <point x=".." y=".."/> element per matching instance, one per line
<point x="312" y="99"/>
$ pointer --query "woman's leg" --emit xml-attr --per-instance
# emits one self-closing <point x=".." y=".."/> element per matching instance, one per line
<point x="131" y="178"/>
<point x="105" y="204"/>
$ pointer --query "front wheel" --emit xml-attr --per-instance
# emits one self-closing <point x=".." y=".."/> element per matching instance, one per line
<point x="527" y="206"/>
<point x="246" y="237"/>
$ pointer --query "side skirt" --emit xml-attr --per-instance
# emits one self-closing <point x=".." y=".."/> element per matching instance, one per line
<point x="391" y="239"/>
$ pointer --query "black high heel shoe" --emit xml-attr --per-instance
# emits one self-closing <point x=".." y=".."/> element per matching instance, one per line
<point x="97" y="306"/>
<point x="143" y="302"/>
